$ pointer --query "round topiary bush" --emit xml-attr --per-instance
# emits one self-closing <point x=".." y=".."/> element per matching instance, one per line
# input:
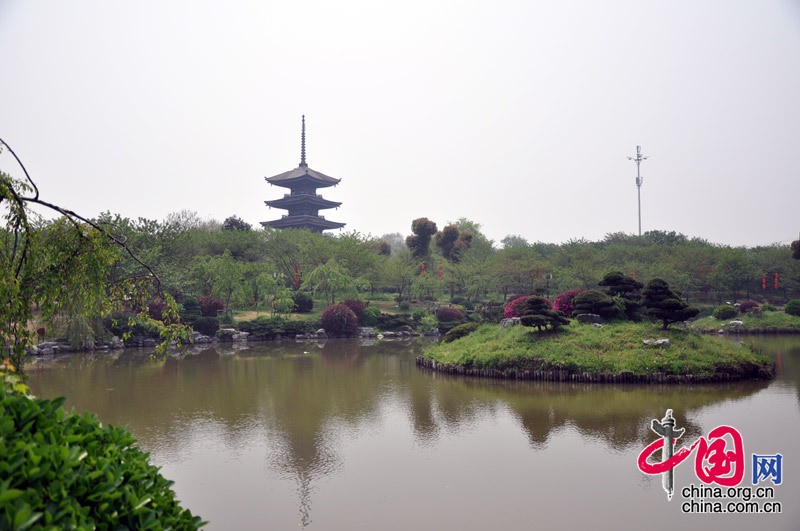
<point x="563" y="303"/>
<point x="207" y="326"/>
<point x="460" y="331"/>
<point x="746" y="306"/>
<point x="210" y="306"/>
<point x="358" y="308"/>
<point x="726" y="311"/>
<point x="793" y="307"/>
<point x="68" y="471"/>
<point x="514" y="308"/>
<point x="302" y="302"/>
<point x="449" y="314"/>
<point x="339" y="320"/>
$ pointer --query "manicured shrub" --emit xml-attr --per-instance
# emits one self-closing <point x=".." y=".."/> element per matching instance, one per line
<point x="339" y="320"/>
<point x="207" y="326"/>
<point x="792" y="307"/>
<point x="460" y="331"/>
<point x="563" y="303"/>
<point x="664" y="305"/>
<point x="746" y="306"/>
<point x="302" y="302"/>
<point x="595" y="302"/>
<point x="263" y="328"/>
<point x="514" y="308"/>
<point x="767" y="307"/>
<point x="726" y="311"/>
<point x="358" y="308"/>
<point x="209" y="306"/>
<point x="536" y="312"/>
<point x="389" y="322"/>
<point x="190" y="309"/>
<point x="449" y="314"/>
<point x="66" y="471"/>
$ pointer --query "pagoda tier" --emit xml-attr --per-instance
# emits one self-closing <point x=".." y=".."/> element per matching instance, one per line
<point x="303" y="203"/>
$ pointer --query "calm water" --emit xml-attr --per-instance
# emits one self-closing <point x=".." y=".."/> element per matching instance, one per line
<point x="353" y="436"/>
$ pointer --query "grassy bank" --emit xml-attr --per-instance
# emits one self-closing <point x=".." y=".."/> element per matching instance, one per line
<point x="767" y="323"/>
<point x="612" y="349"/>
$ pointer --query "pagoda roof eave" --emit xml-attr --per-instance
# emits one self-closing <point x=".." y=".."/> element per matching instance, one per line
<point x="293" y="200"/>
<point x="300" y="174"/>
<point x="313" y="222"/>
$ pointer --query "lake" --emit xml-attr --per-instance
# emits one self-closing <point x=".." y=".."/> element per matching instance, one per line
<point x="349" y="434"/>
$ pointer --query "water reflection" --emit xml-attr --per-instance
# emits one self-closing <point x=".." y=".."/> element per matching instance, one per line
<point x="295" y="410"/>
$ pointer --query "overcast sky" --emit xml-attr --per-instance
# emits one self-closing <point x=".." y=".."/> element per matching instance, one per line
<point x="518" y="115"/>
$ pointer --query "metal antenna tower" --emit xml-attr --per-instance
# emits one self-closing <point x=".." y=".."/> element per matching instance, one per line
<point x="638" y="160"/>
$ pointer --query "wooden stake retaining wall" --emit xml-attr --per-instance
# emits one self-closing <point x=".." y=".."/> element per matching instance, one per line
<point x="566" y="376"/>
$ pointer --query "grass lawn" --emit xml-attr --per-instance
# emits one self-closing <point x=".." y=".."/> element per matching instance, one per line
<point x="769" y="322"/>
<point x="611" y="349"/>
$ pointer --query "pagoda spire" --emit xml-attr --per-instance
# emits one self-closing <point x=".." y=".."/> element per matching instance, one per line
<point x="303" y="143"/>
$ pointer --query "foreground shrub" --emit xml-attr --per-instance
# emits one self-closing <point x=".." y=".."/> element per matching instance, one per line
<point x="210" y="306"/>
<point x="726" y="311"/>
<point x="65" y="471"/>
<point x="792" y="307"/>
<point x="207" y="326"/>
<point x="595" y="302"/>
<point x="460" y="331"/>
<point x="537" y="313"/>
<point x="746" y="306"/>
<point x="449" y="314"/>
<point x="358" y="308"/>
<point x="302" y="302"/>
<point x="563" y="303"/>
<point x="339" y="320"/>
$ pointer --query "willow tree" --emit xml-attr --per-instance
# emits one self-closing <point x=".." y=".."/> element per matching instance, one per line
<point x="60" y="266"/>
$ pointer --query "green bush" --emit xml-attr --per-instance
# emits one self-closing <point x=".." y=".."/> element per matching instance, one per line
<point x="302" y="302"/>
<point x="387" y="321"/>
<point x="270" y="327"/>
<point x="191" y="308"/>
<point x="64" y="471"/>
<point x="793" y="307"/>
<point x="726" y="311"/>
<point x="371" y="316"/>
<point x="595" y="302"/>
<point x="767" y="307"/>
<point x="460" y="331"/>
<point x="207" y="326"/>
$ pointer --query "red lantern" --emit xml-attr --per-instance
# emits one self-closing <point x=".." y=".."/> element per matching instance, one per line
<point x="764" y="281"/>
<point x="422" y="270"/>
<point x="633" y="274"/>
<point x="777" y="277"/>
<point x="441" y="272"/>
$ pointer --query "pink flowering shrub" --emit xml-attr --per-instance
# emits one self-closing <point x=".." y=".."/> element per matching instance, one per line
<point x="515" y="307"/>
<point x="563" y="302"/>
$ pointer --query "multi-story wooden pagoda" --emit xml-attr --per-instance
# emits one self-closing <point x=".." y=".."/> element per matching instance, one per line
<point x="303" y="202"/>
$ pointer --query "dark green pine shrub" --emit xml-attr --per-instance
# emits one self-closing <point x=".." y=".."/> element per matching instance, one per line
<point x="460" y="331"/>
<point x="537" y="313"/>
<point x="724" y="312"/>
<point x="302" y="302"/>
<point x="793" y="307"/>
<point x="663" y="305"/>
<point x="371" y="314"/>
<point x="595" y="302"/>
<point x="339" y="320"/>
<point x="59" y="470"/>
<point x="207" y="326"/>
<point x="390" y="322"/>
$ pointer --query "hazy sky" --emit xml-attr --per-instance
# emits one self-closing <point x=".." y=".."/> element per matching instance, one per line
<point x="518" y="115"/>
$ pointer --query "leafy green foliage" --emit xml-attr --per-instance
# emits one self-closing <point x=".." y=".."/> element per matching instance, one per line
<point x="725" y="311"/>
<point x="460" y="331"/>
<point x="595" y="302"/>
<point x="339" y="320"/>
<point x="662" y="304"/>
<point x="792" y="307"/>
<point x="536" y="312"/>
<point x="236" y="223"/>
<point x="64" y="471"/>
